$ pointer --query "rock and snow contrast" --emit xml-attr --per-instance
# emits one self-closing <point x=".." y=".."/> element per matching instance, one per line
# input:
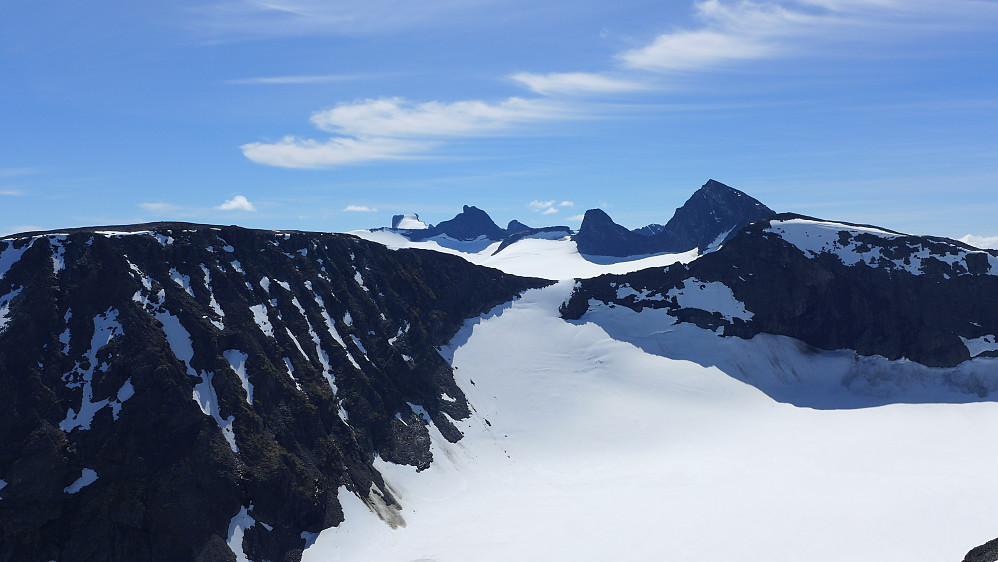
<point x="169" y="384"/>
<point x="775" y="387"/>
<point x="712" y="215"/>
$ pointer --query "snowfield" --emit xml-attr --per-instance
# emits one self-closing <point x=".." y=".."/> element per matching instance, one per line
<point x="556" y="259"/>
<point x="583" y="447"/>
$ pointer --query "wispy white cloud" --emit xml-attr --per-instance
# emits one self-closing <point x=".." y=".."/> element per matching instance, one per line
<point x="293" y="152"/>
<point x="237" y="203"/>
<point x="19" y="228"/>
<point x="396" y="117"/>
<point x="359" y="209"/>
<point x="10" y="172"/>
<point x="159" y="207"/>
<point x="12" y="192"/>
<point x="566" y="204"/>
<point x="740" y="30"/>
<point x="394" y="128"/>
<point x="239" y="19"/>
<point x="540" y="205"/>
<point x="547" y="207"/>
<point x="299" y="79"/>
<point x="575" y="218"/>
<point x="729" y="31"/>
<point x="980" y="241"/>
<point x="576" y="83"/>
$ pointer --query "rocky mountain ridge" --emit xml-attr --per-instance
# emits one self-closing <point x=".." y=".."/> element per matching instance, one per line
<point x="831" y="286"/>
<point x="712" y="214"/>
<point x="168" y="385"/>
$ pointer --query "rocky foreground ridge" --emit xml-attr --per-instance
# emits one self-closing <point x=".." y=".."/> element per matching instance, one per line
<point x="171" y="388"/>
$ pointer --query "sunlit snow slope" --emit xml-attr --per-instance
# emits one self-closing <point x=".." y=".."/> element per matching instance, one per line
<point x="530" y="257"/>
<point x="582" y="447"/>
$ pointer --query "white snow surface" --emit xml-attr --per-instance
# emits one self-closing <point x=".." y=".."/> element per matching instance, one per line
<point x="3" y="484"/>
<point x="184" y="281"/>
<point x="237" y="360"/>
<point x="262" y="320"/>
<point x="596" y="450"/>
<point x="204" y="391"/>
<point x="814" y="237"/>
<point x="5" y="301"/>
<point x="88" y="477"/>
<point x="411" y="222"/>
<point x="106" y="328"/>
<point x="213" y="303"/>
<point x="557" y="259"/>
<point x="10" y="255"/>
<point x="237" y="527"/>
<point x="711" y="296"/>
<point x="977" y="346"/>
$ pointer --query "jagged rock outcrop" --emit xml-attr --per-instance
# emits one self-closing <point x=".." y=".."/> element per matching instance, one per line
<point x="710" y="216"/>
<point x="470" y="224"/>
<point x="649" y="230"/>
<point x="164" y="384"/>
<point x="515" y="226"/>
<point x="987" y="552"/>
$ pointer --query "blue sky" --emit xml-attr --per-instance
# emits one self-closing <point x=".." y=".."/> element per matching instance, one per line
<point x="333" y="116"/>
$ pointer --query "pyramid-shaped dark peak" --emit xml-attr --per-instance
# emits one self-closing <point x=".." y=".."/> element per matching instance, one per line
<point x="711" y="215"/>
<point x="515" y="226"/>
<point x="471" y="223"/>
<point x="719" y="192"/>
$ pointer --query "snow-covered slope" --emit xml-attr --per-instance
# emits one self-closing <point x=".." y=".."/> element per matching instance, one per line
<point x="582" y="447"/>
<point x="542" y="257"/>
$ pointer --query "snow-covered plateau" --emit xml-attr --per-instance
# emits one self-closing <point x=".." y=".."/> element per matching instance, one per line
<point x="585" y="447"/>
<point x="541" y="256"/>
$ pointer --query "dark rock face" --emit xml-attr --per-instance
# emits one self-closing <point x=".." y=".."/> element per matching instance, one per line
<point x="876" y="293"/>
<point x="987" y="552"/>
<point x="714" y="213"/>
<point x="600" y="236"/>
<point x="649" y="230"/>
<point x="515" y="226"/>
<point x="469" y="224"/>
<point x="200" y="371"/>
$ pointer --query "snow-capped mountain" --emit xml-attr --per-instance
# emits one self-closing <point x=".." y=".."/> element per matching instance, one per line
<point x="912" y="318"/>
<point x="179" y="391"/>
<point x="714" y="213"/>
<point x="408" y="222"/>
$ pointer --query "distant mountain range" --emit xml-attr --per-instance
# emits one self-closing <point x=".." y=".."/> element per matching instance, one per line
<point x="714" y="213"/>
<point x="176" y="391"/>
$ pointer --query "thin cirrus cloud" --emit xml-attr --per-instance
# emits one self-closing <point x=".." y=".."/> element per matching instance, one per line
<point x="300" y="79"/>
<point x="725" y="33"/>
<point x="394" y="128"/>
<point x="576" y="83"/>
<point x="242" y="19"/>
<point x="159" y="207"/>
<point x="359" y="209"/>
<point x="396" y="117"/>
